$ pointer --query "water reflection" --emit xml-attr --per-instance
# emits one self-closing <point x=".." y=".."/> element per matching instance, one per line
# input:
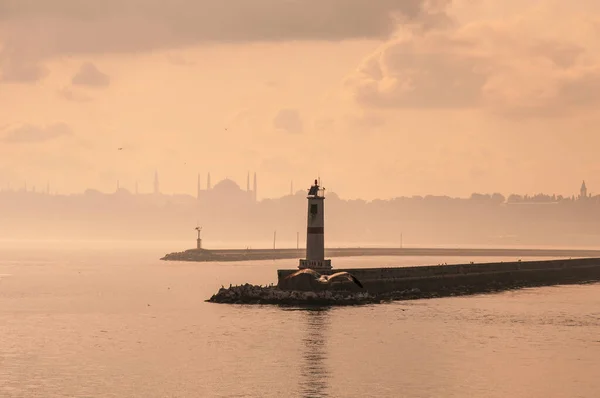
<point x="314" y="375"/>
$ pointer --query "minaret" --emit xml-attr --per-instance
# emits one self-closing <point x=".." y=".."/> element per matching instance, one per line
<point x="208" y="182"/>
<point x="198" y="189"/>
<point x="315" y="228"/>
<point x="292" y="188"/>
<point x="156" y="187"/>
<point x="248" y="183"/>
<point x="254" y="191"/>
<point x="583" y="191"/>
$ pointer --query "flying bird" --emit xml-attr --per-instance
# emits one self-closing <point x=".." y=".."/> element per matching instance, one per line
<point x="120" y="149"/>
<point x="325" y="279"/>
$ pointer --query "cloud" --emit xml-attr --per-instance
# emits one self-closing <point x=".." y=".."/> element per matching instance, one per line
<point x="29" y="133"/>
<point x="89" y="75"/>
<point x="15" y="68"/>
<point x="72" y="26"/>
<point x="289" y="120"/>
<point x="32" y="31"/>
<point x="74" y="96"/>
<point x="419" y="72"/>
<point x="497" y="66"/>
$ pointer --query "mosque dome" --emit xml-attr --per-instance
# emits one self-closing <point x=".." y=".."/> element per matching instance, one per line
<point x="227" y="186"/>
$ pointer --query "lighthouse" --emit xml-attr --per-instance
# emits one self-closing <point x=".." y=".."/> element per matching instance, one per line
<point x="315" y="240"/>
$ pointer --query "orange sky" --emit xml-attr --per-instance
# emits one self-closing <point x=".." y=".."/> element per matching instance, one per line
<point x="381" y="99"/>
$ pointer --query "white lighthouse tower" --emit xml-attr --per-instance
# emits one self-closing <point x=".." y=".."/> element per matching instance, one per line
<point x="315" y="240"/>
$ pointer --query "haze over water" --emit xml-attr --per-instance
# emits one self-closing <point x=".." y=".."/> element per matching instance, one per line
<point x="432" y="123"/>
<point x="121" y="323"/>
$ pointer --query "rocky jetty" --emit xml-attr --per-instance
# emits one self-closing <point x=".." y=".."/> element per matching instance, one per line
<point x="253" y="294"/>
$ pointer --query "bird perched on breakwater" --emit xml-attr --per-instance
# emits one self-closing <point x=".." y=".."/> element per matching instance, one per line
<point x="326" y="278"/>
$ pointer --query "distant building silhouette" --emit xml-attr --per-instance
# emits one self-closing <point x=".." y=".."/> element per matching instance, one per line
<point x="226" y="189"/>
<point x="230" y="212"/>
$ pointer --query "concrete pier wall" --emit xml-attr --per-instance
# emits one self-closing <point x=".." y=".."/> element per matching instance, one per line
<point x="273" y="254"/>
<point x="471" y="276"/>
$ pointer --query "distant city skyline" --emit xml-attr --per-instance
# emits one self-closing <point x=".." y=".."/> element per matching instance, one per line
<point x="230" y="213"/>
<point x="202" y="188"/>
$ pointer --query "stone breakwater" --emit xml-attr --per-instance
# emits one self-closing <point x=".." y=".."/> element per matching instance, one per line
<point x="252" y="294"/>
<point x="384" y="285"/>
<point x="435" y="278"/>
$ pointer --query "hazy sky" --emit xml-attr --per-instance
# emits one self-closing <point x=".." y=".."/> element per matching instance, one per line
<point x="381" y="98"/>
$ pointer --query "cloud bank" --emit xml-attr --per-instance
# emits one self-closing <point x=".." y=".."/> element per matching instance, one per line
<point x="73" y="26"/>
<point x="34" y="30"/>
<point x="28" y="133"/>
<point x="500" y="66"/>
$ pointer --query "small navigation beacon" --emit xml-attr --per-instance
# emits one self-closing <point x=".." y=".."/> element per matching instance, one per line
<point x="198" y="240"/>
<point x="315" y="240"/>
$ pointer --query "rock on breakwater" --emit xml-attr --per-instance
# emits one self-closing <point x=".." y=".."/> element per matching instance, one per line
<point x="253" y="294"/>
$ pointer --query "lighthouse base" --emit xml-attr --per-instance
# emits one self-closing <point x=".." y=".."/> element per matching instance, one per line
<point x="315" y="264"/>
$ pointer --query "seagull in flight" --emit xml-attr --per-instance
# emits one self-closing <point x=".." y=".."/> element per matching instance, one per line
<point x="325" y="279"/>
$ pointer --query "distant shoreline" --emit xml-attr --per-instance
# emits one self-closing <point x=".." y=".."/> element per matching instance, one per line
<point x="204" y="255"/>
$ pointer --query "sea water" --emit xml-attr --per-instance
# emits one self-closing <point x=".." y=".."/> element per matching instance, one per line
<point x="117" y="322"/>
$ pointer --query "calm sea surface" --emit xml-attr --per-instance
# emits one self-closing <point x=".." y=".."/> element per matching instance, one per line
<point x="121" y="323"/>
